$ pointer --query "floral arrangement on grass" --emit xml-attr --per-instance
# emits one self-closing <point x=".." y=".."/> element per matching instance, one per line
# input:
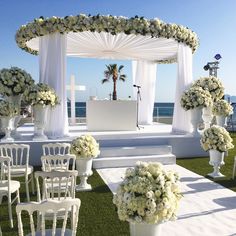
<point x="14" y="81"/>
<point x="195" y="97"/>
<point x="8" y="109"/>
<point x="85" y="146"/>
<point x="110" y="24"/>
<point x="148" y="193"/>
<point x="213" y="85"/>
<point x="216" y="138"/>
<point x="41" y="94"/>
<point x="222" y="108"/>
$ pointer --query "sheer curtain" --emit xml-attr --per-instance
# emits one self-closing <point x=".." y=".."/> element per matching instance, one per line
<point x="144" y="75"/>
<point x="52" y="66"/>
<point x="181" y="120"/>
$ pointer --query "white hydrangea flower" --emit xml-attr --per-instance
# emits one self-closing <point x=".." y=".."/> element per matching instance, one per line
<point x="222" y="108"/>
<point x="216" y="138"/>
<point x="195" y="97"/>
<point x="148" y="194"/>
<point x="85" y="146"/>
<point x="14" y="81"/>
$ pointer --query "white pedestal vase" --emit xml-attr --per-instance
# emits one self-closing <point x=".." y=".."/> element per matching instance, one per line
<point x="16" y="100"/>
<point x="7" y="124"/>
<point x="221" y="120"/>
<point x="207" y="116"/>
<point x="216" y="160"/>
<point x="84" y="168"/>
<point x="40" y="119"/>
<point x="144" y="229"/>
<point x="195" y="119"/>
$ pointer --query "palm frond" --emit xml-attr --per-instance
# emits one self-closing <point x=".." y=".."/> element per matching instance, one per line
<point x="120" y="68"/>
<point x="122" y="77"/>
<point x="105" y="80"/>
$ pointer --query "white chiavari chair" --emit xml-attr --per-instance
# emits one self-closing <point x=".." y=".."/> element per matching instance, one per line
<point x="52" y="207"/>
<point x="19" y="154"/>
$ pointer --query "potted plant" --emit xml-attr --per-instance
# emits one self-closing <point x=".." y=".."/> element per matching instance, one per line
<point x="148" y="196"/>
<point x="221" y="109"/>
<point x="114" y="72"/>
<point x="41" y="97"/>
<point x="7" y="113"/>
<point x="195" y="99"/>
<point x="13" y="82"/>
<point x="217" y="141"/>
<point x="85" y="148"/>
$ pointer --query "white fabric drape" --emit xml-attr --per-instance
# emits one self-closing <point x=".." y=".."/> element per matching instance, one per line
<point x="144" y="75"/>
<point x="121" y="46"/>
<point x="181" y="119"/>
<point x="52" y="71"/>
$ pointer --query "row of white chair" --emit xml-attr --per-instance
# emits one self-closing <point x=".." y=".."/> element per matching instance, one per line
<point x="55" y="201"/>
<point x="14" y="161"/>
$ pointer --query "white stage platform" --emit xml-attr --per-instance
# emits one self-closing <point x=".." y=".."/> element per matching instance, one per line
<point x="206" y="209"/>
<point x="183" y="145"/>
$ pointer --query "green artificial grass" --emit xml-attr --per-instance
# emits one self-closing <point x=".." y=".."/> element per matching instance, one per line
<point x="98" y="215"/>
<point x="200" y="165"/>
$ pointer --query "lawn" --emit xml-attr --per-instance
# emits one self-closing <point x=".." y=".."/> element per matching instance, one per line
<point x="98" y="216"/>
<point x="200" y="166"/>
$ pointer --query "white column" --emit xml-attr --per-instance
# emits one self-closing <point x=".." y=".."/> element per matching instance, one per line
<point x="52" y="65"/>
<point x="144" y="75"/>
<point x="72" y="99"/>
<point x="181" y="120"/>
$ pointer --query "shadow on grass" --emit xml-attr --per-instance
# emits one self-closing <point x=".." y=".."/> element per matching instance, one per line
<point x="101" y="189"/>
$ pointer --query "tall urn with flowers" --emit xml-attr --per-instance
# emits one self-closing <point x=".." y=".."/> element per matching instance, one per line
<point x="194" y="100"/>
<point x="85" y="148"/>
<point x="42" y="98"/>
<point x="222" y="109"/>
<point x="13" y="82"/>
<point x="216" y="90"/>
<point x="147" y="197"/>
<point x="217" y="141"/>
<point x="7" y="113"/>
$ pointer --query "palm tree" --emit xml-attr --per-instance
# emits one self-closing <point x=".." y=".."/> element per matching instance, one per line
<point x="115" y="73"/>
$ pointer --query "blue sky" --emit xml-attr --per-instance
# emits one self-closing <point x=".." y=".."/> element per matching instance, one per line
<point x="213" y="21"/>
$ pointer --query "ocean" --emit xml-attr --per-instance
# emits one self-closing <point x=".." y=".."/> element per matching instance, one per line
<point x="161" y="109"/>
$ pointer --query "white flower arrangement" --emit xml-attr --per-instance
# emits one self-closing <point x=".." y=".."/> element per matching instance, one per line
<point x="14" y="81"/>
<point x="111" y="24"/>
<point x="41" y="94"/>
<point x="216" y="138"/>
<point x="213" y="85"/>
<point x="8" y="109"/>
<point x="195" y="97"/>
<point x="148" y="193"/>
<point x="85" y="146"/>
<point x="222" y="108"/>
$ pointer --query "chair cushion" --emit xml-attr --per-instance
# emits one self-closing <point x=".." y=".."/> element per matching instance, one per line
<point x="48" y="232"/>
<point x="20" y="170"/>
<point x="15" y="185"/>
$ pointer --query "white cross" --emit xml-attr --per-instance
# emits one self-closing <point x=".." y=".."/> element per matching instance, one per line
<point x="72" y="87"/>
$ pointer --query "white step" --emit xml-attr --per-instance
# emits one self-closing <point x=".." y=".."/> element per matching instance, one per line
<point x="135" y="151"/>
<point x="124" y="161"/>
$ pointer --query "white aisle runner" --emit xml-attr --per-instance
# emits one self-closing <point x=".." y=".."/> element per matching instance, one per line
<point x="207" y="208"/>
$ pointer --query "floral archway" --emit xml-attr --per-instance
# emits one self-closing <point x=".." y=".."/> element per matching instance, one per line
<point x="146" y="42"/>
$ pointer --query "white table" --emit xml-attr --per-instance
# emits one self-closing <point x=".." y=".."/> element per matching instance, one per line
<point x="207" y="208"/>
<point x="111" y="115"/>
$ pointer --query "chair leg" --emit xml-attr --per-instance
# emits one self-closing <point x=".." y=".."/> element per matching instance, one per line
<point x="10" y="211"/>
<point x="27" y="189"/>
<point x="18" y="196"/>
<point x="234" y="169"/>
<point x="32" y="183"/>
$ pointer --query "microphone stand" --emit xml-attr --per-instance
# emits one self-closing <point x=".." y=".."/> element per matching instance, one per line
<point x="138" y="99"/>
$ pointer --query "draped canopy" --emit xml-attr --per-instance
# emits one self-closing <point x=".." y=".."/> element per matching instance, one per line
<point x="146" y="42"/>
